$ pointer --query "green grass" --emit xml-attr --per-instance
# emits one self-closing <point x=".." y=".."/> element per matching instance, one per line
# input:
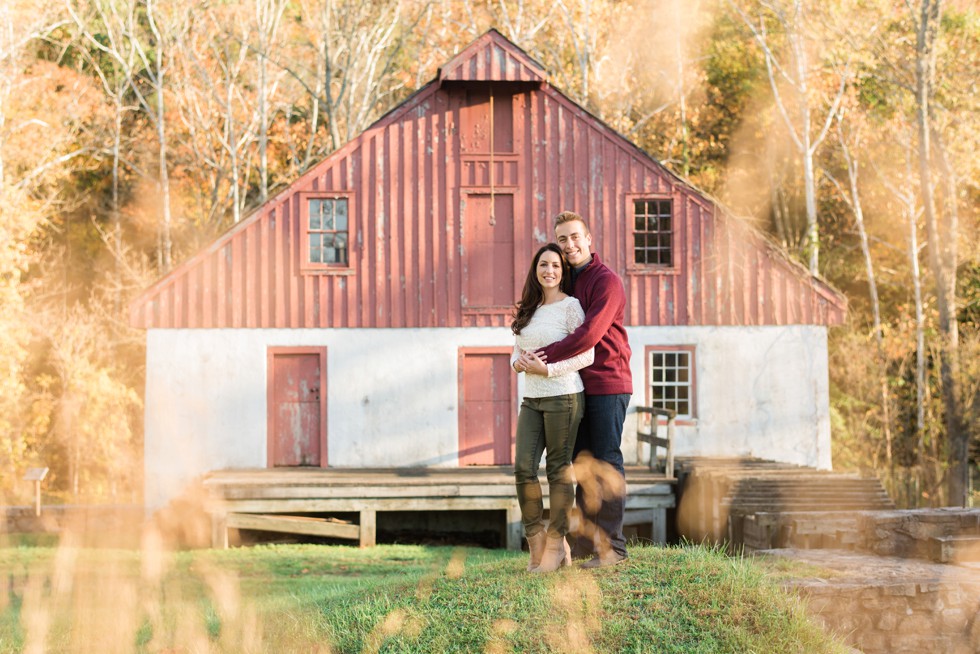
<point x="308" y="598"/>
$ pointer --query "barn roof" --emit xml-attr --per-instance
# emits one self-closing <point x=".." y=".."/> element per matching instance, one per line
<point x="410" y="179"/>
<point x="492" y="57"/>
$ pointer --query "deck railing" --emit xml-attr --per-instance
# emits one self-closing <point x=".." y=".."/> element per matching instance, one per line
<point x="647" y="419"/>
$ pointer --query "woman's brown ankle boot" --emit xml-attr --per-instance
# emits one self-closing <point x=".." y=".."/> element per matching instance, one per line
<point x="535" y="545"/>
<point x="554" y="555"/>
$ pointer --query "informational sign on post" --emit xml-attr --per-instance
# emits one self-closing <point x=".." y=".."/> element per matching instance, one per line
<point x="36" y="475"/>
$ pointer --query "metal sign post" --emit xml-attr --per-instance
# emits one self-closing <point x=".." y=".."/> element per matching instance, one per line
<point x="36" y="475"/>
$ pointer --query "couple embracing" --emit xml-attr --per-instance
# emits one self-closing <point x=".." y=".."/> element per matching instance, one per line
<point x="573" y="348"/>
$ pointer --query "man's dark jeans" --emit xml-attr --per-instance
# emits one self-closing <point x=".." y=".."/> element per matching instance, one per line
<point x="600" y="434"/>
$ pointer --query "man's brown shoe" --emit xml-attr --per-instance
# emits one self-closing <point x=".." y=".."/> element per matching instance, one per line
<point x="599" y="561"/>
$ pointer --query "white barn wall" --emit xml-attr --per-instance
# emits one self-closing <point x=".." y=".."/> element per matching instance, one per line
<point x="392" y="396"/>
<point x="761" y="391"/>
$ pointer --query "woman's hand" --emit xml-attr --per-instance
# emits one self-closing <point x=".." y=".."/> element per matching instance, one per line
<point x="532" y="364"/>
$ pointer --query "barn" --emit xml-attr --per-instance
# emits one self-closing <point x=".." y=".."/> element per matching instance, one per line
<point x="359" y="318"/>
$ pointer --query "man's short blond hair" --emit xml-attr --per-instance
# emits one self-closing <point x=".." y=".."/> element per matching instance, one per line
<point x="569" y="216"/>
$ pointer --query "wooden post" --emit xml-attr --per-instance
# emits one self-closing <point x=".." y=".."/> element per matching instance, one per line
<point x="219" y="531"/>
<point x="515" y="528"/>
<point x="37" y="497"/>
<point x="643" y="431"/>
<point x="368" y="528"/>
<point x="658" y="527"/>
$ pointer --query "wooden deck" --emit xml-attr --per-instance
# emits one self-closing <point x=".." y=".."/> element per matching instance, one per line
<point x="282" y="499"/>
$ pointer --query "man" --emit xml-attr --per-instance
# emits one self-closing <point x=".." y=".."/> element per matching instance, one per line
<point x="601" y="491"/>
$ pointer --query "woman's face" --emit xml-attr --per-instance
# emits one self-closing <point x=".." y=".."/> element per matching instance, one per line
<point x="549" y="269"/>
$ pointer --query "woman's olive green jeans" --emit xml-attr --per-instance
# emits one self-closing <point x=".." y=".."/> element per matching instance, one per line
<point x="547" y="423"/>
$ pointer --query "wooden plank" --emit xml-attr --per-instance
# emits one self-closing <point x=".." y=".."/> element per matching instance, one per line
<point x="651" y="502"/>
<point x="658" y="488"/>
<point x="481" y="473"/>
<point x="366" y="492"/>
<point x="293" y="525"/>
<point x="384" y="492"/>
<point x="356" y="504"/>
<point x="504" y="486"/>
<point x="633" y="517"/>
<point x="310" y="505"/>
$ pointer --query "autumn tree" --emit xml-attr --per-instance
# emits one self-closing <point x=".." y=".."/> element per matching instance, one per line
<point x="941" y="245"/>
<point x="806" y="116"/>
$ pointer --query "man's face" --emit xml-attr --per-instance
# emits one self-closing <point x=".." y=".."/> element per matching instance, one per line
<point x="575" y="241"/>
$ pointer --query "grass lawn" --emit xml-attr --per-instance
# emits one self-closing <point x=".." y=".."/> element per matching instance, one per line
<point x="391" y="598"/>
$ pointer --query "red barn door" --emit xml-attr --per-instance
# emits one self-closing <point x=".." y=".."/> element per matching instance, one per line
<point x="488" y="181"/>
<point x="488" y="251"/>
<point x="487" y="407"/>
<point x="297" y="403"/>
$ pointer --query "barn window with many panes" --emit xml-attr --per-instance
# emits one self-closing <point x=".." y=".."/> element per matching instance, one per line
<point x="672" y="380"/>
<point x="327" y="232"/>
<point x="653" y="225"/>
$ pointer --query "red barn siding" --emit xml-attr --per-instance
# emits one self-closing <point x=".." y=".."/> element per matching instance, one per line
<point x="408" y="177"/>
<point x="492" y="57"/>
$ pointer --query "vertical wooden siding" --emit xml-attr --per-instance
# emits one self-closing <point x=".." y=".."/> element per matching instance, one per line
<point x="405" y="176"/>
<point x="492" y="57"/>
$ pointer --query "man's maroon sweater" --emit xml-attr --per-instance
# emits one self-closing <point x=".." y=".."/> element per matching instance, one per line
<point x="600" y="292"/>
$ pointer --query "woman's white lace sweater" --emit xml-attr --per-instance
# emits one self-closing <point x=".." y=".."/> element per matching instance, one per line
<point x="550" y="323"/>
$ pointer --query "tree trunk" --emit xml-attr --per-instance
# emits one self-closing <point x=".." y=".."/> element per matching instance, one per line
<point x="858" y="209"/>
<point x="164" y="257"/>
<point x="166" y="244"/>
<point x="681" y="91"/>
<point x="236" y="209"/>
<point x="807" y="147"/>
<point x="799" y="126"/>
<point x="268" y="14"/>
<point x="114" y="211"/>
<point x="263" y="125"/>
<point x="920" y="327"/>
<point x="927" y="32"/>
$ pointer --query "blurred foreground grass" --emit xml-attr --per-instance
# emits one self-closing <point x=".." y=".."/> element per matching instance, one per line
<point x="391" y="598"/>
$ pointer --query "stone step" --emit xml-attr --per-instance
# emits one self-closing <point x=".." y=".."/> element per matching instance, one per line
<point x="826" y="499"/>
<point x="771" y="505"/>
<point x="795" y="508"/>
<point x="725" y="491"/>
<point x="803" y="492"/>
<point x="821" y="494"/>
<point x="956" y="549"/>
<point x="804" y="483"/>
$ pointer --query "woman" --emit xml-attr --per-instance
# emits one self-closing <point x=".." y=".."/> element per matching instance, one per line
<point x="554" y="400"/>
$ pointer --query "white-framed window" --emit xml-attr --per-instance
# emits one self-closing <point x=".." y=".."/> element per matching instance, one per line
<point x="653" y="232"/>
<point x="327" y="232"/>
<point x="671" y="380"/>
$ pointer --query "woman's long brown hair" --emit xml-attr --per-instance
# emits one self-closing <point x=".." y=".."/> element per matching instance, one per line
<point x="533" y="295"/>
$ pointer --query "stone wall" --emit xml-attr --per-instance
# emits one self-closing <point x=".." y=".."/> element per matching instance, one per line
<point x="921" y="534"/>
<point x="889" y="605"/>
<point x="890" y="581"/>
<point x="105" y="525"/>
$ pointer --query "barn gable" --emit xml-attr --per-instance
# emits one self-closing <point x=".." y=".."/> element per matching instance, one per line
<point x="429" y="217"/>
<point x="492" y="57"/>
